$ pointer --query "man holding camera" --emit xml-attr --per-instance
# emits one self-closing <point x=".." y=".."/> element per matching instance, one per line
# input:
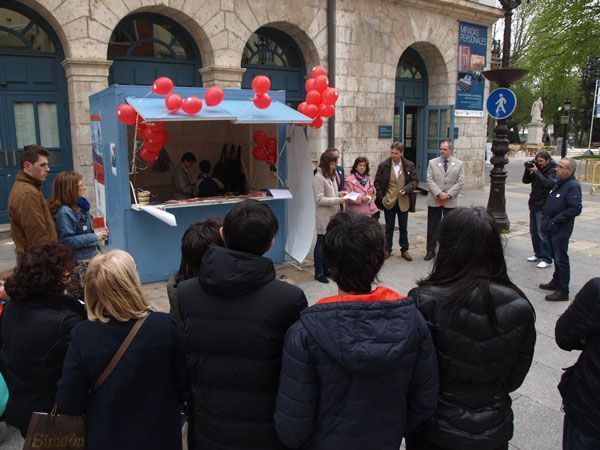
<point x="540" y="173"/>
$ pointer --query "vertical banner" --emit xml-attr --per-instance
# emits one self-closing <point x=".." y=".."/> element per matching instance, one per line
<point x="470" y="87"/>
<point x="99" y="184"/>
<point x="597" y="99"/>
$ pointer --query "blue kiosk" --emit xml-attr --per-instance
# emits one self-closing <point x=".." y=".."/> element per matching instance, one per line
<point x="119" y="173"/>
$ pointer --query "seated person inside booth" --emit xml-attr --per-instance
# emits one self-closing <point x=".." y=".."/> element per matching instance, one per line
<point x="207" y="186"/>
<point x="183" y="187"/>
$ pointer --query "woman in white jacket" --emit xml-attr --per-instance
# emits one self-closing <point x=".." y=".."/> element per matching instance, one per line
<point x="328" y="202"/>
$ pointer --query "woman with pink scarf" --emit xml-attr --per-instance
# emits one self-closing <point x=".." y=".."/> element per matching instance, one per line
<point x="360" y="182"/>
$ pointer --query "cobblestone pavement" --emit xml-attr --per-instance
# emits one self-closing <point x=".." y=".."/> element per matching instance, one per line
<point x="538" y="419"/>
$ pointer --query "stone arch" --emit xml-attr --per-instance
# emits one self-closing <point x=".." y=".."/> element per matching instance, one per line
<point x="440" y="92"/>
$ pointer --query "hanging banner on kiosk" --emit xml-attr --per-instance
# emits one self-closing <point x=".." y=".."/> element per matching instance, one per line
<point x="470" y="86"/>
<point x="99" y="183"/>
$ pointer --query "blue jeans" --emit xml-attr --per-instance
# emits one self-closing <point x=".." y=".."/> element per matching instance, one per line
<point x="541" y="246"/>
<point x="575" y="439"/>
<point x="559" y="247"/>
<point x="390" y="221"/>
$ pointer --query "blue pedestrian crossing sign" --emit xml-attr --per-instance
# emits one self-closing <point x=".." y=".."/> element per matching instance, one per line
<point x="501" y="103"/>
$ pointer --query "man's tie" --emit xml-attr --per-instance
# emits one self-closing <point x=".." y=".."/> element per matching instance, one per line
<point x="445" y="166"/>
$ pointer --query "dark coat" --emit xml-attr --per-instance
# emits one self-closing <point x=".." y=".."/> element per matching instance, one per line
<point x="541" y="183"/>
<point x="35" y="336"/>
<point x="478" y="366"/>
<point x="358" y="371"/>
<point x="562" y="206"/>
<point x="581" y="392"/>
<point x="382" y="181"/>
<point x="139" y="404"/>
<point x="235" y="317"/>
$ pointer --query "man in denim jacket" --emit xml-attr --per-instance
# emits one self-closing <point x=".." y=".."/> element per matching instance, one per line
<point x="562" y="206"/>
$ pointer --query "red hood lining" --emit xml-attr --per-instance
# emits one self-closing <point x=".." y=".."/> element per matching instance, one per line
<point x="381" y="294"/>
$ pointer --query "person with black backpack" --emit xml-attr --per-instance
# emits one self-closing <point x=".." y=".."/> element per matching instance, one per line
<point x="207" y="185"/>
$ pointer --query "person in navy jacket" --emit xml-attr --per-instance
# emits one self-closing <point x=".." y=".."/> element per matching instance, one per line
<point x="562" y="206"/>
<point x="359" y="368"/>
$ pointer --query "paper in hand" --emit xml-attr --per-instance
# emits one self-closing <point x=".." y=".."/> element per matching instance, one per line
<point x="352" y="196"/>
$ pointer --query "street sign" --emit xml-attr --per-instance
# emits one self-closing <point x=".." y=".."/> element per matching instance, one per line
<point x="501" y="103"/>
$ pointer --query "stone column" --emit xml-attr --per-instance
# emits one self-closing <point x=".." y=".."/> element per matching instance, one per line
<point x="84" y="78"/>
<point x="222" y="76"/>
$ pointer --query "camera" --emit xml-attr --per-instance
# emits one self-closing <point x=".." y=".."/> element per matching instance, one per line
<point x="530" y="164"/>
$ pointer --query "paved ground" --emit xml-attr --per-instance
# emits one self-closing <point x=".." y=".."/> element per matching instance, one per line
<point x="538" y="419"/>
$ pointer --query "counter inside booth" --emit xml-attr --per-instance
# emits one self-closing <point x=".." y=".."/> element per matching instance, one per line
<point x="214" y="134"/>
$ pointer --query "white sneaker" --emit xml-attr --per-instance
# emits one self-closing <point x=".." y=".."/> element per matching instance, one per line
<point x="543" y="265"/>
<point x="532" y="259"/>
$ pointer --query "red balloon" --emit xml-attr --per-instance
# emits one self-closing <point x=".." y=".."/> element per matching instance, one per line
<point x="148" y="155"/>
<point x="271" y="160"/>
<point x="192" y="105"/>
<point x="309" y="85"/>
<point x="318" y="70"/>
<point x="154" y="125"/>
<point x="321" y="83"/>
<point x="152" y="134"/>
<point x="126" y="114"/>
<point x="260" y="138"/>
<point x="259" y="153"/>
<point x="271" y="147"/>
<point x="261" y="84"/>
<point x="313" y="97"/>
<point x="213" y="96"/>
<point x="311" y="111"/>
<point x="327" y="111"/>
<point x="173" y="102"/>
<point x="302" y="108"/>
<point x="162" y="86"/>
<point x="317" y="123"/>
<point x="330" y="96"/>
<point x="262" y="101"/>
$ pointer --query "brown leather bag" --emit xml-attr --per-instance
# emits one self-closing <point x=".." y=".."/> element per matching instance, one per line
<point x="59" y="431"/>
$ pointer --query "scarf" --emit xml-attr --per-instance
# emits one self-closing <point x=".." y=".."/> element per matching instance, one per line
<point x="83" y="204"/>
<point x="361" y="178"/>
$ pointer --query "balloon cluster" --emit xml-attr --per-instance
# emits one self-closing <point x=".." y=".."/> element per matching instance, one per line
<point x="266" y="148"/>
<point x="261" y="85"/>
<point x="320" y="98"/>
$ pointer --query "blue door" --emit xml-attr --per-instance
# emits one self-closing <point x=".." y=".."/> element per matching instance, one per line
<point x="439" y="127"/>
<point x="33" y="96"/>
<point x="273" y="53"/>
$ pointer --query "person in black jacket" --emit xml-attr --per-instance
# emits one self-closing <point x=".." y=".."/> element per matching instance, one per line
<point x="235" y="316"/>
<point x="359" y="368"/>
<point x="562" y="206"/>
<point x="540" y="173"/>
<point x="139" y="405"/>
<point x="579" y="329"/>
<point x="483" y="329"/>
<point x="36" y="330"/>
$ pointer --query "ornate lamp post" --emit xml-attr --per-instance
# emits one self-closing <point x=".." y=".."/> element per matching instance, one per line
<point x="564" y="120"/>
<point x="503" y="77"/>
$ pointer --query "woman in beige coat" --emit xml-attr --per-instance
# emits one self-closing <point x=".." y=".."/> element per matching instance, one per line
<point x="328" y="204"/>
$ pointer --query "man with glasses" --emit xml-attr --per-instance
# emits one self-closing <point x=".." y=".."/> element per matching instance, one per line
<point x="562" y="206"/>
<point x="540" y="173"/>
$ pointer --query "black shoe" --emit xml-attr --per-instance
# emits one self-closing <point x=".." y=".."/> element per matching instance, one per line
<point x="387" y="254"/>
<point x="429" y="256"/>
<point x="558" y="296"/>
<point x="322" y="278"/>
<point x="552" y="286"/>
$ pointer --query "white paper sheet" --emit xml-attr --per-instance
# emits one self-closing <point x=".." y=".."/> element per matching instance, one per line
<point x="281" y="193"/>
<point x="161" y="215"/>
<point x="352" y="196"/>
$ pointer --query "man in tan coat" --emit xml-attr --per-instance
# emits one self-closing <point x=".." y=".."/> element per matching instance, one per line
<point x="445" y="179"/>
<point x="395" y="185"/>
<point x="28" y="210"/>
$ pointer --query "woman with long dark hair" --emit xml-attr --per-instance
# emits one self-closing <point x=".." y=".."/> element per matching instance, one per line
<point x="483" y="330"/>
<point x="325" y="189"/>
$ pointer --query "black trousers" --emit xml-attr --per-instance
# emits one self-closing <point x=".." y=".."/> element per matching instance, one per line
<point x="435" y="214"/>
<point x="390" y="221"/>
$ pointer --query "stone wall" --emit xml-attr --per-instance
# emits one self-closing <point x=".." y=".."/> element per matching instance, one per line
<point x="370" y="38"/>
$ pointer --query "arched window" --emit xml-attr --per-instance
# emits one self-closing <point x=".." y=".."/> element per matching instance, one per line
<point x="411" y="66"/>
<point x="19" y="33"/>
<point x="145" y="46"/>
<point x="273" y="53"/>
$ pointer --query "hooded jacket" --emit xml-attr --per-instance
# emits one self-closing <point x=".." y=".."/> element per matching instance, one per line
<point x="478" y="366"/>
<point x="235" y="315"/>
<point x="358" y="371"/>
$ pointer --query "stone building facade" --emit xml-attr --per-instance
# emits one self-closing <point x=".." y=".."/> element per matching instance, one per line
<point x="370" y="39"/>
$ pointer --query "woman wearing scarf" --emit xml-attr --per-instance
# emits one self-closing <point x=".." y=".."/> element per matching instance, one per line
<point x="74" y="228"/>
<point x="360" y="182"/>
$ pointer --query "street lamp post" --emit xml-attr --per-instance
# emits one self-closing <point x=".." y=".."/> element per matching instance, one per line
<point x="564" y="120"/>
<point x="503" y="77"/>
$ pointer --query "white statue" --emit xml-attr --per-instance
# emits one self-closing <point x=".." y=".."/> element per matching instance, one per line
<point x="536" y="111"/>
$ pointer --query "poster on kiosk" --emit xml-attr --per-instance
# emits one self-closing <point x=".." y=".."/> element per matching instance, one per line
<point x="251" y="143"/>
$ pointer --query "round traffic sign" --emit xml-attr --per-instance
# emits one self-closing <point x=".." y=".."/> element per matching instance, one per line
<point x="501" y="103"/>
